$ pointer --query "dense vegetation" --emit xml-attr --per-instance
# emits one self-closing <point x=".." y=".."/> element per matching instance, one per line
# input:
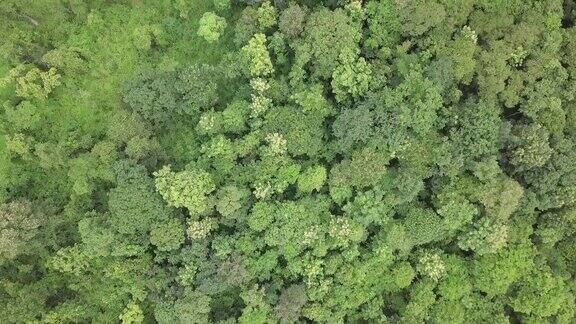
<point x="377" y="161"/>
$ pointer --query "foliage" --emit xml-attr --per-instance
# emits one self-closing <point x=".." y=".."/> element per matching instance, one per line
<point x="327" y="34"/>
<point x="352" y="77"/>
<point x="257" y="56"/>
<point x="19" y="226"/>
<point x="211" y="27"/>
<point x="188" y="188"/>
<point x="167" y="236"/>
<point x="275" y="161"/>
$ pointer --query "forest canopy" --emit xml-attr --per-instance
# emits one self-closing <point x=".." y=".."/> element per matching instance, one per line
<point x="287" y="161"/>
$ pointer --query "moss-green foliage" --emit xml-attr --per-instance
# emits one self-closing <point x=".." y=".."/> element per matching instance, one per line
<point x="167" y="236"/>
<point x="211" y="27"/>
<point x="260" y="161"/>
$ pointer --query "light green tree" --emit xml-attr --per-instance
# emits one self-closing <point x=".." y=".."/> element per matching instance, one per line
<point x="257" y="56"/>
<point x="211" y="26"/>
<point x="189" y="188"/>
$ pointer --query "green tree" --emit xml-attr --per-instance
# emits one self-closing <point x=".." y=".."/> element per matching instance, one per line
<point x="529" y="146"/>
<point x="211" y="26"/>
<point x="134" y="205"/>
<point x="198" y="86"/>
<point x="193" y="307"/>
<point x="384" y="25"/>
<point x="232" y="201"/>
<point x="189" y="188"/>
<point x="487" y="236"/>
<point x="551" y="291"/>
<point x="31" y="82"/>
<point x="153" y="96"/>
<point x="19" y="225"/>
<point x="23" y="117"/>
<point x="352" y="77"/>
<point x="302" y="131"/>
<point x="494" y="273"/>
<point x="222" y="4"/>
<point x="312" y="179"/>
<point x="328" y="33"/>
<point x="267" y="15"/>
<point x="257" y="56"/>
<point x="167" y="236"/>
<point x="290" y="303"/>
<point x="423" y="226"/>
<point x="292" y="19"/>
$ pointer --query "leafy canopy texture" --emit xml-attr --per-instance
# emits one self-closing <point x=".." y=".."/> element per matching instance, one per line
<point x="275" y="161"/>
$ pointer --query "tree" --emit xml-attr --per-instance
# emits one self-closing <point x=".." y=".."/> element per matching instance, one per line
<point x="478" y="133"/>
<point x="366" y="168"/>
<point x="145" y="150"/>
<point x="188" y="188"/>
<point x="418" y="17"/>
<point x="68" y="60"/>
<point x="550" y="289"/>
<point x="445" y="311"/>
<point x="123" y="126"/>
<point x="352" y="77"/>
<point x="456" y="284"/>
<point x="370" y="207"/>
<point x="219" y="153"/>
<point x="553" y="184"/>
<point x="235" y="117"/>
<point x="19" y="225"/>
<point x="198" y="86"/>
<point x="132" y="314"/>
<point x="267" y="15"/>
<point x="31" y="82"/>
<point x="312" y="179"/>
<point x="290" y="303"/>
<point x="353" y="127"/>
<point x="461" y="52"/>
<point x="153" y="96"/>
<point x="89" y="169"/>
<point x="160" y="97"/>
<point x="232" y="201"/>
<point x="261" y="216"/>
<point x="487" y="236"/>
<point x="257" y="56"/>
<point x="246" y="26"/>
<point x="134" y="205"/>
<point x="222" y="4"/>
<point x="292" y="19"/>
<point x="303" y="132"/>
<point x="23" y="117"/>
<point x="494" y="273"/>
<point x="211" y="26"/>
<point x="456" y="213"/>
<point x="312" y="100"/>
<point x="422" y="297"/>
<point x="167" y="236"/>
<point x="309" y="219"/>
<point x="529" y="146"/>
<point x="413" y="105"/>
<point x="328" y="33"/>
<point x="257" y="310"/>
<point x="423" y="226"/>
<point x="501" y="197"/>
<point x="147" y="36"/>
<point x="384" y="25"/>
<point x="193" y="307"/>
<point x="431" y="264"/>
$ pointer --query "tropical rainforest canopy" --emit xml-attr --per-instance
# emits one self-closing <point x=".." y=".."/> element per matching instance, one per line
<point x="337" y="161"/>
